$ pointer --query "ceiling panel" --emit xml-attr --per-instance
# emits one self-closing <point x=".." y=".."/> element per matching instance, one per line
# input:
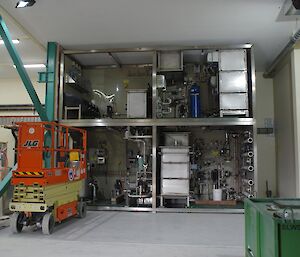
<point x="135" y="57"/>
<point x="114" y="23"/>
<point x="94" y="59"/>
<point x="194" y="56"/>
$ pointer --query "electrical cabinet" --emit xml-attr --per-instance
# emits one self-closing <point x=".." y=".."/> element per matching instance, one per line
<point x="136" y="103"/>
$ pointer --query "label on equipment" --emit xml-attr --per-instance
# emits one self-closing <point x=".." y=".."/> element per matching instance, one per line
<point x="71" y="175"/>
<point x="58" y="173"/>
<point x="31" y="143"/>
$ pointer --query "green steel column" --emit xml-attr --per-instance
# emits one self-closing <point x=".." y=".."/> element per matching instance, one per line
<point x="51" y="74"/>
<point x="5" y="35"/>
<point x="50" y="81"/>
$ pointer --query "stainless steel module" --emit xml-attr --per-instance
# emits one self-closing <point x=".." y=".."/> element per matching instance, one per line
<point x="233" y="84"/>
<point x="231" y="103"/>
<point x="170" y="61"/>
<point x="235" y="81"/>
<point x="175" y="167"/>
<point x="233" y="60"/>
<point x="189" y="122"/>
<point x="177" y="139"/>
<point x="137" y="103"/>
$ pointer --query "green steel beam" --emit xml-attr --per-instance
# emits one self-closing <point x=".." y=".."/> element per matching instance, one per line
<point x="5" y="35"/>
<point x="50" y="92"/>
<point x="50" y="80"/>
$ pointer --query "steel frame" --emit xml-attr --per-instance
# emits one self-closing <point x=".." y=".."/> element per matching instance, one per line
<point x="160" y="122"/>
<point x="155" y="123"/>
<point x="153" y="49"/>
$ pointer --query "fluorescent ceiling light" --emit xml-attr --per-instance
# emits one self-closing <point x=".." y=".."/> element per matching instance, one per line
<point x="15" y="41"/>
<point x="33" y="66"/>
<point x="25" y="3"/>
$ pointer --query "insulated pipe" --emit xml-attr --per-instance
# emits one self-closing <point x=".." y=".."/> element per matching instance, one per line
<point x="144" y="146"/>
<point x="248" y="182"/>
<point x="248" y="154"/>
<point x="248" y="195"/>
<point x="270" y="72"/>
<point x="168" y="102"/>
<point x="248" y="168"/>
<point x="249" y="140"/>
<point x="94" y="191"/>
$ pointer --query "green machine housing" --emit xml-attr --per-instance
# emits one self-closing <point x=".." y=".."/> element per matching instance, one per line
<point x="272" y="227"/>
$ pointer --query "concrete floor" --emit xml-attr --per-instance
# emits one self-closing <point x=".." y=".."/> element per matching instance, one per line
<point x="115" y="234"/>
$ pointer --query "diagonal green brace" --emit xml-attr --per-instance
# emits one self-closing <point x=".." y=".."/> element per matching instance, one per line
<point x="5" y="35"/>
<point x="5" y="182"/>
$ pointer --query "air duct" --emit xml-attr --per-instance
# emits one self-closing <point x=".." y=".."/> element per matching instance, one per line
<point x="271" y="71"/>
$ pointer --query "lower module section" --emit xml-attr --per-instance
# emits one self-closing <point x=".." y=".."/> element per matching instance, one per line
<point x="120" y="171"/>
<point x="207" y="166"/>
<point x="173" y="167"/>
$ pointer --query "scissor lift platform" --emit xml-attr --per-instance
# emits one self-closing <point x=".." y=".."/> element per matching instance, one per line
<point x="50" y="174"/>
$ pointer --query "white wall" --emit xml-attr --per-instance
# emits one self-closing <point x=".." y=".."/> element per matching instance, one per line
<point x="295" y="65"/>
<point x="266" y="163"/>
<point x="284" y="129"/>
<point x="12" y="91"/>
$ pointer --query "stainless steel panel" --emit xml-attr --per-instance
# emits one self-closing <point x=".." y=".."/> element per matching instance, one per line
<point x="165" y="210"/>
<point x="228" y="121"/>
<point x="154" y="166"/>
<point x="170" y="61"/>
<point x="175" y="162"/>
<point x="233" y="60"/>
<point x="145" y="49"/>
<point x="175" y="187"/>
<point x="161" y="81"/>
<point x="177" y="139"/>
<point x="175" y="170"/>
<point x="175" y="158"/>
<point x="234" y="81"/>
<point x="174" y="150"/>
<point x="234" y="101"/>
<point x="136" y="103"/>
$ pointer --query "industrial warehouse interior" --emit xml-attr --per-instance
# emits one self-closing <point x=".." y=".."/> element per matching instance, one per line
<point x="150" y="128"/>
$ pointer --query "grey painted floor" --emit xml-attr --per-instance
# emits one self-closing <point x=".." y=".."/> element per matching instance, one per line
<point x="122" y="234"/>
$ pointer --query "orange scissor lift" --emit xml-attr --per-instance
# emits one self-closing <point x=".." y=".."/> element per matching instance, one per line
<point x="50" y="175"/>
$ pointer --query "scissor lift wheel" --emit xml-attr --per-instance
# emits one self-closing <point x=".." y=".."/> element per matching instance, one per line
<point x="16" y="220"/>
<point x="81" y="208"/>
<point x="48" y="223"/>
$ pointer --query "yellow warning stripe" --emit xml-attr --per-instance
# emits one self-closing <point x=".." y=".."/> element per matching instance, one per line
<point x="29" y="173"/>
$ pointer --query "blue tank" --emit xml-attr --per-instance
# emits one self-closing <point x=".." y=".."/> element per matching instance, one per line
<point x="195" y="106"/>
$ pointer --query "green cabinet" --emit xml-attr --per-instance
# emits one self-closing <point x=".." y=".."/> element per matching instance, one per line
<point x="272" y="227"/>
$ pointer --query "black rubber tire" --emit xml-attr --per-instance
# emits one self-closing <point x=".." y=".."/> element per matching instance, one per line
<point x="48" y="223"/>
<point x="82" y="209"/>
<point x="15" y="225"/>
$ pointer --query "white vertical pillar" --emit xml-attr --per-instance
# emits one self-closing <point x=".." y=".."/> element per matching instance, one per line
<point x="295" y="70"/>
